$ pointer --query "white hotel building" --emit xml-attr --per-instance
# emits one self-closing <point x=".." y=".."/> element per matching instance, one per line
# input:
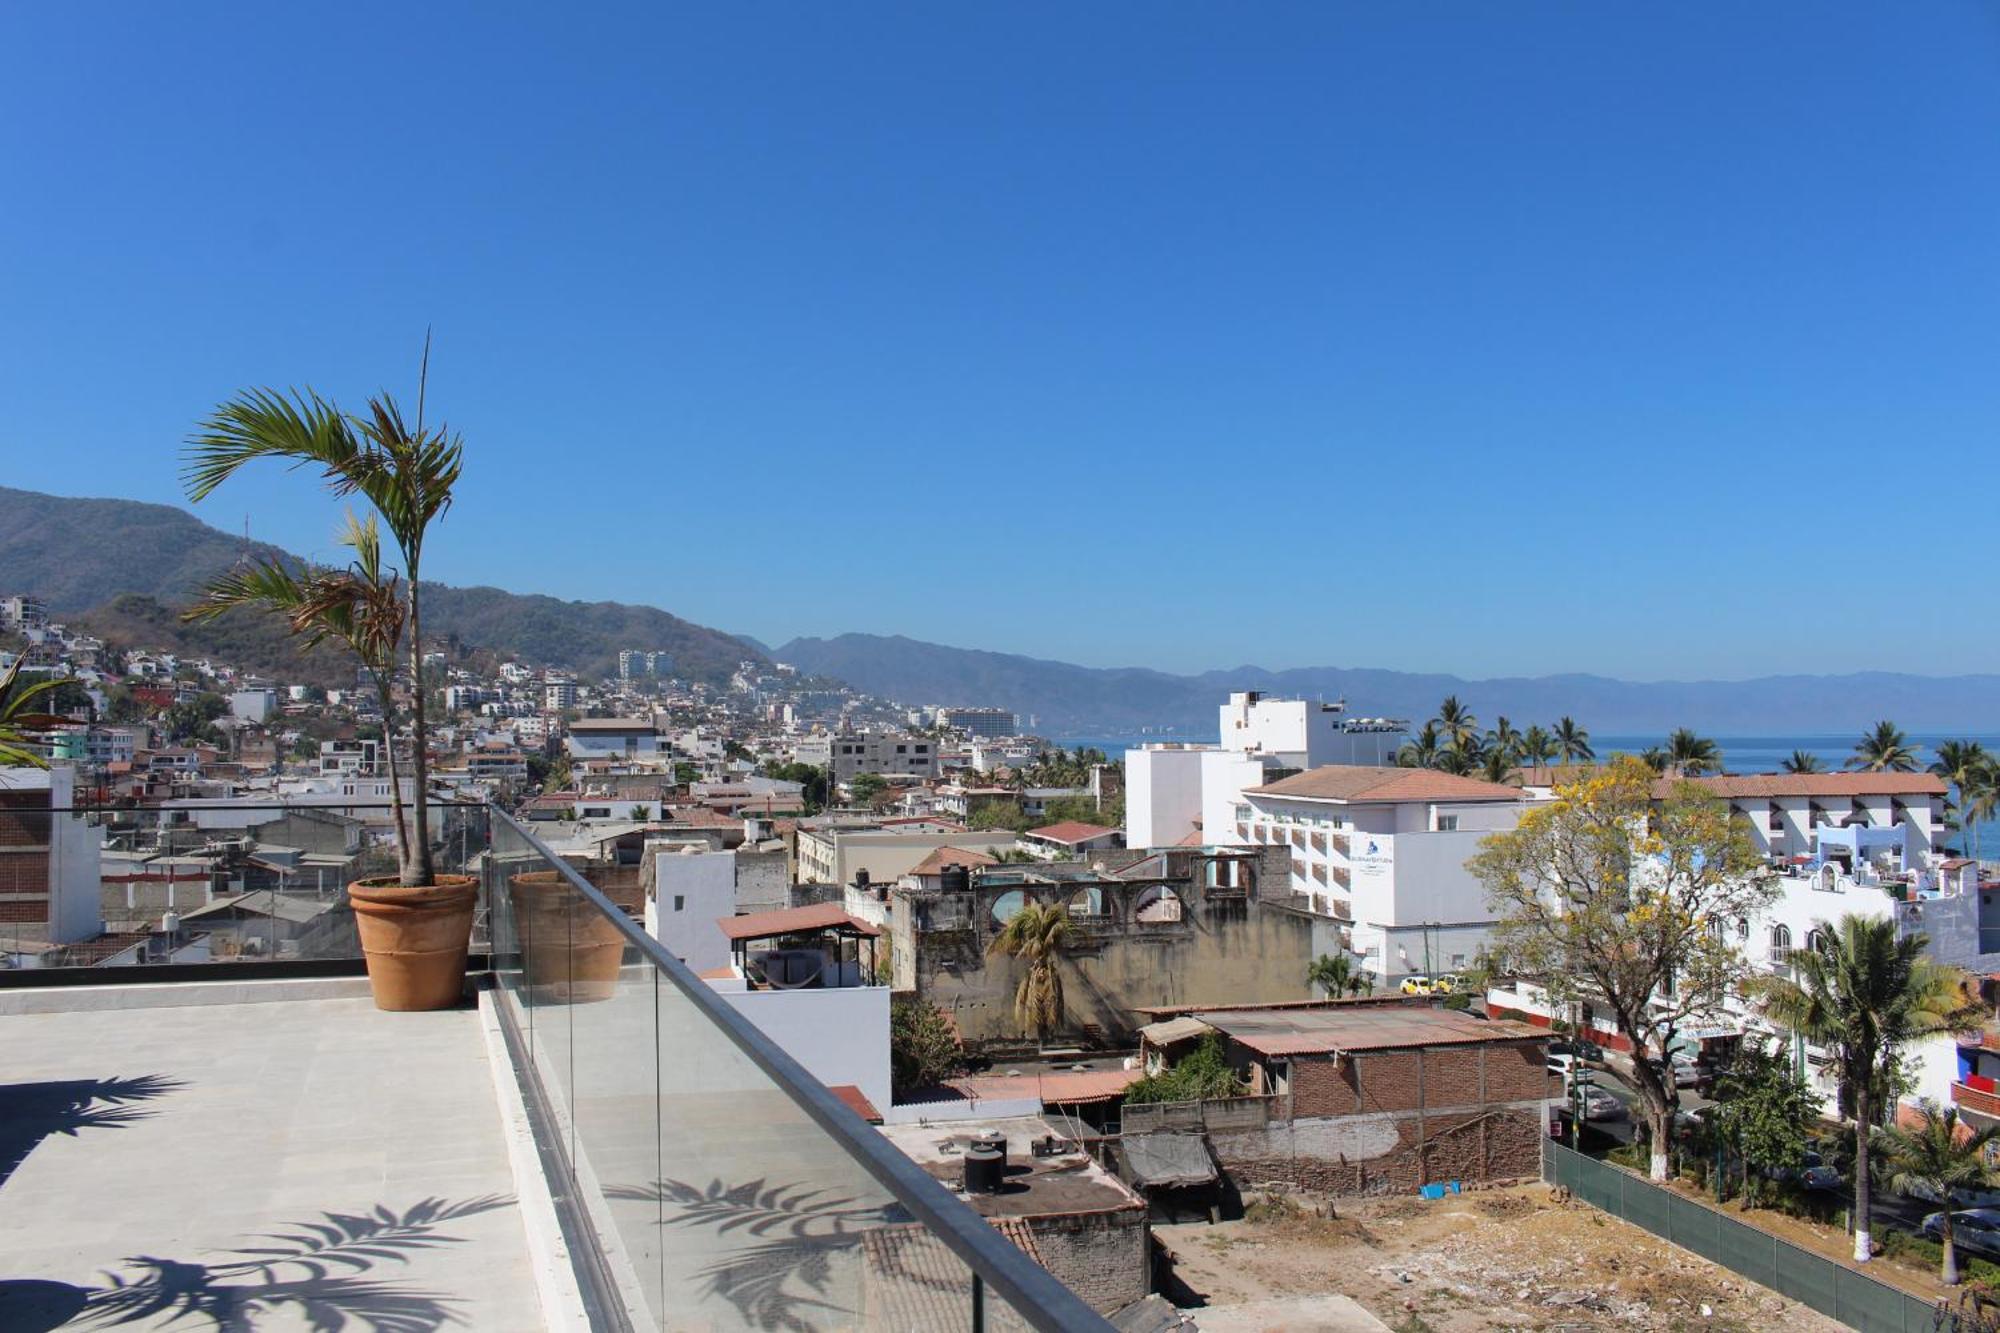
<point x="1384" y="849"/>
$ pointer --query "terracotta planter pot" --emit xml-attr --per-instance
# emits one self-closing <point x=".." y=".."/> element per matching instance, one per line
<point x="571" y="951"/>
<point x="415" y="939"/>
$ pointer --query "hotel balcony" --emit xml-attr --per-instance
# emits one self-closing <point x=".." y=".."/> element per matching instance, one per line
<point x="234" y="1137"/>
<point x="1979" y="1098"/>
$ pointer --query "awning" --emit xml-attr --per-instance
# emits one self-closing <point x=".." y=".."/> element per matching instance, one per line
<point x="1171" y="1030"/>
<point x="1168" y="1159"/>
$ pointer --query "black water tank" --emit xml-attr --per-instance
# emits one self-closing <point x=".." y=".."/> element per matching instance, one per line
<point x="861" y="878"/>
<point x="955" y="879"/>
<point x="983" y="1169"/>
<point x="997" y="1142"/>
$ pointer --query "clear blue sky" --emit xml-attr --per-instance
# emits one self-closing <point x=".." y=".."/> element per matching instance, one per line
<point x="1488" y="338"/>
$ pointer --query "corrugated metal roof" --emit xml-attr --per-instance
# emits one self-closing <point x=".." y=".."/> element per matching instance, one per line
<point x="1064" y="1087"/>
<point x="1173" y="1029"/>
<point x="793" y="920"/>
<point x="1276" y="1032"/>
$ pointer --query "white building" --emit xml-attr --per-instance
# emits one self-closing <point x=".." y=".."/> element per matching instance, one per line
<point x="1301" y="733"/>
<point x="888" y="753"/>
<point x="21" y="612"/>
<point x="558" y="694"/>
<point x="254" y="705"/>
<point x="50" y="870"/>
<point x="1181" y="793"/>
<point x="689" y="889"/>
<point x="837" y="855"/>
<point x="1385" y="850"/>
<point x="979" y="721"/>
<point x="614" y="738"/>
<point x="359" y="758"/>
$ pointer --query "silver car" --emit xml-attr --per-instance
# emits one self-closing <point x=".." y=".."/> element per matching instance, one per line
<point x="1601" y="1105"/>
<point x="1975" y="1230"/>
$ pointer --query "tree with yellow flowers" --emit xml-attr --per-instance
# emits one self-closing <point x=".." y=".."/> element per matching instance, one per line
<point x="1626" y="900"/>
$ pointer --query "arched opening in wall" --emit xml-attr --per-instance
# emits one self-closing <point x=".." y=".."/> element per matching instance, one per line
<point x="1088" y="902"/>
<point x="1158" y="904"/>
<point x="1008" y="905"/>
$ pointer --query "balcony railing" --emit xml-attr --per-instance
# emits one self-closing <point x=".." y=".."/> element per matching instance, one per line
<point x="1977" y="1100"/>
<point x="701" y="1177"/>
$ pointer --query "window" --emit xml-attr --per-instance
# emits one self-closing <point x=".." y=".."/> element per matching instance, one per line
<point x="1447" y="824"/>
<point x="1815" y="941"/>
<point x="1781" y="944"/>
<point x="1742" y="927"/>
<point x="680" y="902"/>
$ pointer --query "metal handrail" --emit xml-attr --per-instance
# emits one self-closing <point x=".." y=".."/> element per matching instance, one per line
<point x="1032" y="1291"/>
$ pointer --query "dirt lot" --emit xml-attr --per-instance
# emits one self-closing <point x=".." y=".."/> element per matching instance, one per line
<point x="1510" y="1258"/>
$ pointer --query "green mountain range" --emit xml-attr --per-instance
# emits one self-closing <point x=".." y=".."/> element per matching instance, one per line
<point x="122" y="569"/>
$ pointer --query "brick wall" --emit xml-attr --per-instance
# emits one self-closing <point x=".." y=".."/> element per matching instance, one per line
<point x="1391" y="1154"/>
<point x="1102" y="1257"/>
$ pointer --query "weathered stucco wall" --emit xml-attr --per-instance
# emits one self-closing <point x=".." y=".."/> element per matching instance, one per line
<point x="1226" y="948"/>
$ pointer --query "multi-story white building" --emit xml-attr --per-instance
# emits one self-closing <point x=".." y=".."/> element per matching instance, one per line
<point x="254" y="705"/>
<point x="1177" y="792"/>
<point x="979" y="721"/>
<point x="21" y="612"/>
<point x="888" y="753"/>
<point x="360" y="758"/>
<point x="558" y="693"/>
<point x="615" y="738"/>
<point x="1384" y="849"/>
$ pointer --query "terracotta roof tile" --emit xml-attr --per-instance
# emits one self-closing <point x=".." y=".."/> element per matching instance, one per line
<point x="792" y="920"/>
<point x="1365" y="784"/>
<point x="1837" y="785"/>
<point x="1070" y="830"/>
<point x="944" y="856"/>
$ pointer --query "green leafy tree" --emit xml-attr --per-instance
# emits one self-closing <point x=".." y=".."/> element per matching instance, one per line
<point x="1862" y="994"/>
<point x="1336" y="974"/>
<point x="360" y="607"/>
<point x="815" y="783"/>
<point x="1035" y="937"/>
<point x="21" y="727"/>
<point x="1455" y="723"/>
<point x="865" y="787"/>
<point x="407" y="475"/>
<point x="1884" y="749"/>
<point x="1968" y="767"/>
<point x="1607" y="898"/>
<point x="1573" y="742"/>
<point x="1938" y="1156"/>
<point x="193" y="722"/>
<point x="1690" y="755"/>
<point x="1802" y="761"/>
<point x="1200" y="1075"/>
<point x="1765" y="1112"/>
<point x="999" y="816"/>
<point x="685" y="773"/>
<point x="923" y="1049"/>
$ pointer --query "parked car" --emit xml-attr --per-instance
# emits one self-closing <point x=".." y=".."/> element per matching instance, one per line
<point x="1587" y="1050"/>
<point x="1450" y="983"/>
<point x="1819" y="1174"/>
<point x="1974" y="1199"/>
<point x="1601" y="1105"/>
<point x="1975" y="1230"/>
<point x="1687" y="1074"/>
<point x="1417" y="986"/>
<point x="1559" y="1062"/>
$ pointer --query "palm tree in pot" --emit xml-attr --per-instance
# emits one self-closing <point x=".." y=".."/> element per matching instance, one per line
<point x="415" y="926"/>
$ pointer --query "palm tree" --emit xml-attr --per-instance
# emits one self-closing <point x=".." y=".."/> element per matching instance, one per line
<point x="1884" y="750"/>
<point x="1422" y="749"/>
<point x="1036" y="935"/>
<point x="1863" y="994"/>
<point x="1966" y="766"/>
<point x="360" y="606"/>
<point x="1692" y="755"/>
<point x="1506" y="739"/>
<point x="406" y="475"/>
<point x="1456" y="721"/>
<point x="1461" y="758"/>
<point x="19" y="726"/>
<point x="1802" y="761"/>
<point x="1538" y="748"/>
<point x="1337" y="975"/>
<point x="1980" y="800"/>
<point x="1574" y="742"/>
<point x="1655" y="758"/>
<point x="1931" y="1160"/>
<point x="1497" y="765"/>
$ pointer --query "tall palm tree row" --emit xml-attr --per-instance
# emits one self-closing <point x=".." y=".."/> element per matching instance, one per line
<point x="1975" y="779"/>
<point x="1862" y="995"/>
<point x="1452" y="742"/>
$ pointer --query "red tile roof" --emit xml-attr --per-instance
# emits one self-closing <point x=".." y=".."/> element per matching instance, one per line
<point x="792" y="921"/>
<point x="1070" y="830"/>
<point x="1066" y="1087"/>
<point x="1837" y="785"/>
<point x="944" y="856"/>
<point x="1364" y="783"/>
<point x="856" y="1101"/>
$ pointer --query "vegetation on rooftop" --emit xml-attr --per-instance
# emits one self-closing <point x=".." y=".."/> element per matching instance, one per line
<point x="1201" y="1074"/>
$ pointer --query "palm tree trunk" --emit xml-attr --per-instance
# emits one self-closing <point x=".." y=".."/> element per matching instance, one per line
<point x="1862" y="1247"/>
<point x="1950" y="1251"/>
<point x="417" y="868"/>
<point x="387" y="697"/>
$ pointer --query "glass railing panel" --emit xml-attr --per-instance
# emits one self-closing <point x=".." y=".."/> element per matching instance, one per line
<point x="202" y="882"/>
<point x="724" y="1187"/>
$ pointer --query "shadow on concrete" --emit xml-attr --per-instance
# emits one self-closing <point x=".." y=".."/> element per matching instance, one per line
<point x="31" y="1112"/>
<point x="781" y="1276"/>
<point x="312" y="1274"/>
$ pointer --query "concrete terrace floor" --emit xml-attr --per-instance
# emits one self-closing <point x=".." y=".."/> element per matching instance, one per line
<point x="290" y="1164"/>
